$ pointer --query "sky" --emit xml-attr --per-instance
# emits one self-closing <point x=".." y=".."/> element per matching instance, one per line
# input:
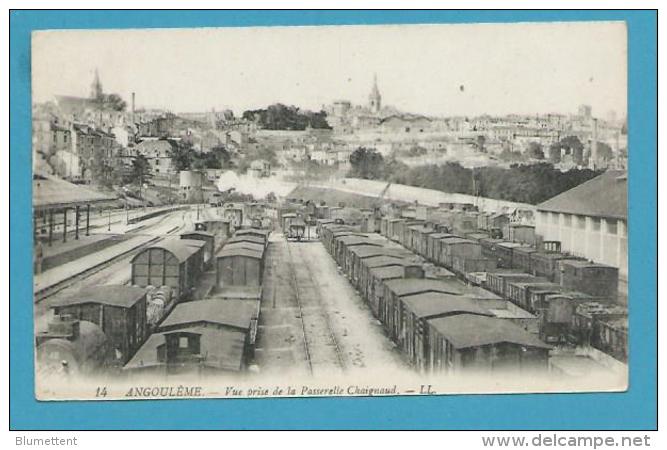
<point x="436" y="70"/>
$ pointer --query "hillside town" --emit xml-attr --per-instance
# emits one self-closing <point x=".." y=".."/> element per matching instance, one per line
<point x="356" y="237"/>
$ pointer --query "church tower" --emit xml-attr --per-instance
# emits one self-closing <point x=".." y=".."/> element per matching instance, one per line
<point x="375" y="99"/>
<point x="96" y="87"/>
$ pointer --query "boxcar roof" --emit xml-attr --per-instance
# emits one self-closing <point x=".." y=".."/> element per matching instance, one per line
<point x="470" y="330"/>
<point x="255" y="231"/>
<point x="441" y="235"/>
<point x="112" y="295"/>
<point x="433" y="304"/>
<point x="510" y="244"/>
<point x="233" y="250"/>
<point x="222" y="349"/>
<point x="356" y="240"/>
<point x="457" y="240"/>
<point x="235" y="313"/>
<point x="479" y="293"/>
<point x="409" y="286"/>
<point x="197" y="233"/>
<point x="553" y="255"/>
<point x="582" y="263"/>
<point x="366" y="251"/>
<point x="247" y="238"/>
<point x="388" y="272"/>
<point x="571" y="295"/>
<point x="385" y="260"/>
<point x="477" y="235"/>
<point x="180" y="248"/>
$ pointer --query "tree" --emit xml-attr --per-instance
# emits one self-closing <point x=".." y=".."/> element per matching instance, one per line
<point x="605" y="153"/>
<point x="141" y="171"/>
<point x="367" y="164"/>
<point x="180" y="155"/>
<point x="570" y="145"/>
<point x="283" y="117"/>
<point x="115" y="102"/>
<point x="534" y="151"/>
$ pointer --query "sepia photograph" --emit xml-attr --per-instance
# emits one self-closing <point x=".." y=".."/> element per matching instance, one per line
<point x="330" y="211"/>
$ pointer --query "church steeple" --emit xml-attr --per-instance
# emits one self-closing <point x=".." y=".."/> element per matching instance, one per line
<point x="375" y="99"/>
<point x="96" y="87"/>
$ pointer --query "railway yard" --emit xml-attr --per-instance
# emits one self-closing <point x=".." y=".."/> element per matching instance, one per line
<point x="306" y="290"/>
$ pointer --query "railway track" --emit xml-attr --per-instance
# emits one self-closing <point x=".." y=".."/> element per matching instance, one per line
<point x="52" y="290"/>
<point x="314" y="319"/>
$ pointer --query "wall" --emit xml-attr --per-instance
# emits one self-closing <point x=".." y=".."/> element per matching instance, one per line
<point x="401" y="192"/>
<point x="590" y="237"/>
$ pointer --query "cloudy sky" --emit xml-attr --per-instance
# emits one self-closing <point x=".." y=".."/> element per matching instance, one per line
<point x="430" y="69"/>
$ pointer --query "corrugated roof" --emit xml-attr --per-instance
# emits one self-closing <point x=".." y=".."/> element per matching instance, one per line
<point x="408" y="286"/>
<point x="469" y="330"/>
<point x="434" y="304"/>
<point x="603" y="196"/>
<point x="48" y="191"/>
<point x="221" y="349"/>
<point x="234" y="313"/>
<point x="113" y="295"/>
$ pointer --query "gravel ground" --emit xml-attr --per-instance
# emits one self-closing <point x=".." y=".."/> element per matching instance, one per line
<point x="333" y="330"/>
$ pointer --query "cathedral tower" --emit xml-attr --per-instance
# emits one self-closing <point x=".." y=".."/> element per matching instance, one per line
<point x="96" y="87"/>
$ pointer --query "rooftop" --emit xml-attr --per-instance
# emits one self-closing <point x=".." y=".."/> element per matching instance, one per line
<point x="436" y="304"/>
<point x="469" y="330"/>
<point x="221" y="349"/>
<point x="603" y="196"/>
<point x="409" y="286"/>
<point x="112" y="295"/>
<point x="180" y="248"/>
<point x="52" y="192"/>
<point x="234" y="313"/>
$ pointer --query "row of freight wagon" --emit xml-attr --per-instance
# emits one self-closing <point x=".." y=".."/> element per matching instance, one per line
<point x="440" y="324"/>
<point x="575" y="300"/>
<point x="191" y="305"/>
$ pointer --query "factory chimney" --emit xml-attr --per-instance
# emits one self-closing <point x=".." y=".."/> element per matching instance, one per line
<point x="133" y="96"/>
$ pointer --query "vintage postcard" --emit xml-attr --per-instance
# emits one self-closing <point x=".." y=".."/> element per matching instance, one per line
<point x="330" y="211"/>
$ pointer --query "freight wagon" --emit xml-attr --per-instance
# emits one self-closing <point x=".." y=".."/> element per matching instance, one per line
<point x="598" y="280"/>
<point x="119" y="311"/>
<point x="239" y="266"/>
<point x="410" y="329"/>
<point x="469" y="343"/>
<point x="171" y="263"/>
<point x="460" y="247"/>
<point x="208" y="249"/>
<point x="389" y="311"/>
